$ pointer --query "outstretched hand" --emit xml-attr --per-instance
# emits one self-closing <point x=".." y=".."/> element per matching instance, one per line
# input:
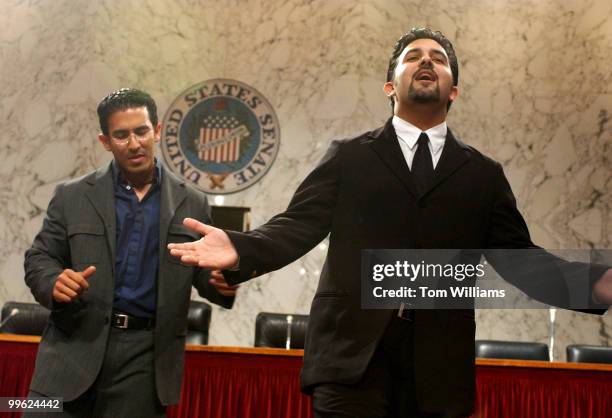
<point x="214" y="250"/>
<point x="602" y="291"/>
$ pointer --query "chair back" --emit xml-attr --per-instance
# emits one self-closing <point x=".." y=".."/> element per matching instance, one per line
<point x="198" y="323"/>
<point x="30" y="319"/>
<point x="515" y="350"/>
<point x="580" y="353"/>
<point x="280" y="330"/>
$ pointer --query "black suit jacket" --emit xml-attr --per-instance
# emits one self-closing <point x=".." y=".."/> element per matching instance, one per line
<point x="80" y="230"/>
<point x="362" y="194"/>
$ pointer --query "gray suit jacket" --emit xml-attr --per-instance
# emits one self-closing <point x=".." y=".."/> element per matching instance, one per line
<point x="80" y="230"/>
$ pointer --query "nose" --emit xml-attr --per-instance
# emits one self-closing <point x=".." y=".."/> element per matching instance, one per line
<point x="425" y="60"/>
<point x="133" y="141"/>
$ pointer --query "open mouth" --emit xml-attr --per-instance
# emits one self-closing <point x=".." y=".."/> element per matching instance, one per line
<point x="425" y="76"/>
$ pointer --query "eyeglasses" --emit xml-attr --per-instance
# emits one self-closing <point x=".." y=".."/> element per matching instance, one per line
<point x="122" y="137"/>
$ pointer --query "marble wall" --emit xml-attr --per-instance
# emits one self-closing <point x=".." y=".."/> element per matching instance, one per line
<point x="535" y="86"/>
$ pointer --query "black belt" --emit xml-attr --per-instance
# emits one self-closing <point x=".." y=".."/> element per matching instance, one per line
<point x="124" y="321"/>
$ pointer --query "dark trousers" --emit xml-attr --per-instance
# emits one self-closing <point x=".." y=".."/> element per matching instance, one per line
<point x="387" y="388"/>
<point x="125" y="386"/>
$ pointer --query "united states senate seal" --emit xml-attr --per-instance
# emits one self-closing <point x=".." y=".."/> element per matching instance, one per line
<point x="220" y="135"/>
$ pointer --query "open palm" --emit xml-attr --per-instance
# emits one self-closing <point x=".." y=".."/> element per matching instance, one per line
<point x="214" y="250"/>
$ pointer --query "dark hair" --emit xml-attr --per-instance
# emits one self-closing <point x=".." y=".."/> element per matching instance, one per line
<point x="122" y="99"/>
<point x="424" y="33"/>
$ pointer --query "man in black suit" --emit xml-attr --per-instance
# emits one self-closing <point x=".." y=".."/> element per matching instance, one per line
<point x="114" y="345"/>
<point x="409" y="184"/>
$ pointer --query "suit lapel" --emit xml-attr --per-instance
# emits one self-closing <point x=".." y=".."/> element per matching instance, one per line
<point x="172" y="196"/>
<point x="102" y="196"/>
<point x="454" y="155"/>
<point x="386" y="146"/>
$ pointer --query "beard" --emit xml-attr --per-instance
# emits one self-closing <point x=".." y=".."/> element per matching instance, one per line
<point x="424" y="96"/>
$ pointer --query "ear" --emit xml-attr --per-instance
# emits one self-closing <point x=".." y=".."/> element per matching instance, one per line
<point x="389" y="89"/>
<point x="105" y="141"/>
<point x="453" y="93"/>
<point x="157" y="132"/>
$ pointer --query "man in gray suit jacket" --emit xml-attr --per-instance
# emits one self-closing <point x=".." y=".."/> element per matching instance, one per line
<point x="114" y="344"/>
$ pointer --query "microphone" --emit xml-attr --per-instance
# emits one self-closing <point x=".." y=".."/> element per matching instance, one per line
<point x="289" y="322"/>
<point x="14" y="312"/>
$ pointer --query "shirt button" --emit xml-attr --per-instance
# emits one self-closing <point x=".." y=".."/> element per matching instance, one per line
<point x="128" y="187"/>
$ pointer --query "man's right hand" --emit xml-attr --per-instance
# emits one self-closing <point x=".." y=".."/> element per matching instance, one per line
<point x="70" y="284"/>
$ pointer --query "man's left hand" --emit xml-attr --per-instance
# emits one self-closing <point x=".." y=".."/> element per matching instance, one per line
<point x="602" y="291"/>
<point x="218" y="281"/>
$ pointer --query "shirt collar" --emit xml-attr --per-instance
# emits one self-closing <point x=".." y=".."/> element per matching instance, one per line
<point x="409" y="133"/>
<point x="119" y="180"/>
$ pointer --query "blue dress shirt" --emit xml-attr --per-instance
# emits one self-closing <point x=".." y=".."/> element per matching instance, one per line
<point x="137" y="262"/>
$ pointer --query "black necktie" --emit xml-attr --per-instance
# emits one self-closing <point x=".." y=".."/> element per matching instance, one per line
<point x="422" y="165"/>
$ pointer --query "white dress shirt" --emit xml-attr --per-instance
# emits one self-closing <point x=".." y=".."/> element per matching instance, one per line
<point x="408" y="135"/>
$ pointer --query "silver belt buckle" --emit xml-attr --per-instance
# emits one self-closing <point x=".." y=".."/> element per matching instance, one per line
<point x="122" y="321"/>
